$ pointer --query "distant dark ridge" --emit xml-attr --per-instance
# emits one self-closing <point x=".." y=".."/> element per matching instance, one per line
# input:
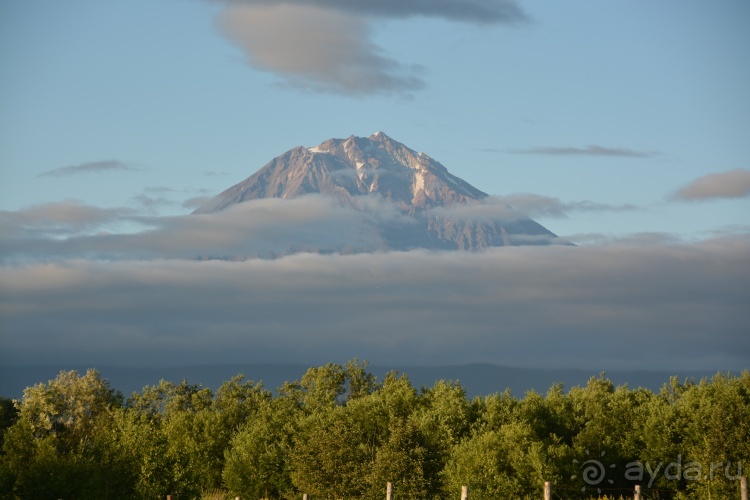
<point x="478" y="379"/>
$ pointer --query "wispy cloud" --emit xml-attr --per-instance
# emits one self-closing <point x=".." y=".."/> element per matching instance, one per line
<point x="520" y="205"/>
<point x="196" y="202"/>
<point x="642" y="239"/>
<point x="536" y="205"/>
<point x="159" y="189"/>
<point x="155" y="197"/>
<point x="587" y="151"/>
<point x="89" y="167"/>
<point x="152" y="203"/>
<point x="474" y="11"/>
<point x="325" y="45"/>
<point x="729" y="184"/>
<point x="64" y="217"/>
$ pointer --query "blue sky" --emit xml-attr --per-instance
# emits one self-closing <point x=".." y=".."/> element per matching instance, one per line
<point x="621" y="122"/>
<point x="160" y="86"/>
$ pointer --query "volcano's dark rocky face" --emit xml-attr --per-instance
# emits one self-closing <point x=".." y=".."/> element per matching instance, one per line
<point x="440" y="210"/>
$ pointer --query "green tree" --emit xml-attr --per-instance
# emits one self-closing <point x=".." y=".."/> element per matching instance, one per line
<point x="496" y="410"/>
<point x="238" y="400"/>
<point x="360" y="383"/>
<point x="714" y="419"/>
<point x="497" y="464"/>
<point x="68" y="405"/>
<point x="8" y="415"/>
<point x="146" y="446"/>
<point x="405" y="460"/>
<point x="333" y="455"/>
<point x="444" y="417"/>
<point x="257" y="460"/>
<point x="61" y="446"/>
<point x="610" y="423"/>
<point x="167" y="398"/>
<point x="444" y="413"/>
<point x="320" y="388"/>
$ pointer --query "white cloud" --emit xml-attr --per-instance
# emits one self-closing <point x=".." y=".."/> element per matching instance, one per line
<point x="58" y="218"/>
<point x="316" y="49"/>
<point x="729" y="184"/>
<point x="325" y="45"/>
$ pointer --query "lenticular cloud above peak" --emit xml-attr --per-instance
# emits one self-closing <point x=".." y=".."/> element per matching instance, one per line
<point x="326" y="46"/>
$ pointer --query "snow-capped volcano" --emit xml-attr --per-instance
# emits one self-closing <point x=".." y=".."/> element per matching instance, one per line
<point x="440" y="210"/>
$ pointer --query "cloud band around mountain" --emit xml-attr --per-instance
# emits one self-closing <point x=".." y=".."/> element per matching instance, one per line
<point x="69" y="291"/>
<point x="259" y="228"/>
<point x="265" y="228"/>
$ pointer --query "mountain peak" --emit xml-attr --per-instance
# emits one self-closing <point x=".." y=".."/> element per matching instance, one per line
<point x="367" y="144"/>
<point x="413" y="183"/>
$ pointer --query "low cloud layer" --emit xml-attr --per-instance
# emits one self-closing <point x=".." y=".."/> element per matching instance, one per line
<point x="89" y="167"/>
<point x="729" y="184"/>
<point x="73" y="292"/>
<point x="587" y="151"/>
<point x="669" y="306"/>
<point x="325" y="45"/>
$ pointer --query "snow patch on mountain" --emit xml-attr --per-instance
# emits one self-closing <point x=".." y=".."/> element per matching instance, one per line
<point x="445" y="212"/>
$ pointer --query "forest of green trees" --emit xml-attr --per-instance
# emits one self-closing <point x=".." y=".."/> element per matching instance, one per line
<point x="338" y="433"/>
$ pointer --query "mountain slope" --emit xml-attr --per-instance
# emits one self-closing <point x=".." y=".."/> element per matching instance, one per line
<point x="437" y="206"/>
